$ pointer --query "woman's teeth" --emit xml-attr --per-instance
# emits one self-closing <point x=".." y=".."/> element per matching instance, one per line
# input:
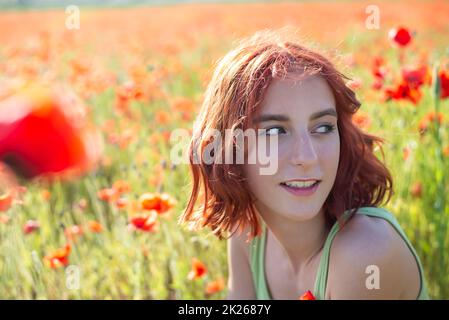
<point x="300" y="184"/>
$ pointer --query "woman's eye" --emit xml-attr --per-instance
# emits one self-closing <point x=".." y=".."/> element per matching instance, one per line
<point x="274" y="130"/>
<point x="328" y="128"/>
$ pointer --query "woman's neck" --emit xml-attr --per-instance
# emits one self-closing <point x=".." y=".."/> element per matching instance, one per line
<point x="300" y="240"/>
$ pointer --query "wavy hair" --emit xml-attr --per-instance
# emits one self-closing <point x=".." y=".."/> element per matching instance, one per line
<point x="232" y="100"/>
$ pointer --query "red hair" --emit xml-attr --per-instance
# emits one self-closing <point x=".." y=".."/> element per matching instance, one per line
<point x="233" y="95"/>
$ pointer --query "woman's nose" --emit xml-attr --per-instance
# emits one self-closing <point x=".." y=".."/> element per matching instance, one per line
<point x="303" y="150"/>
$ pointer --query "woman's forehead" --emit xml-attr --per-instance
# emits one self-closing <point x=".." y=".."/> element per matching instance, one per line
<point x="308" y="94"/>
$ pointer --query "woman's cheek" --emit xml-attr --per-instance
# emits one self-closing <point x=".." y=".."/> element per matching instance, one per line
<point x="329" y="153"/>
<point x="267" y="149"/>
<point x="283" y="148"/>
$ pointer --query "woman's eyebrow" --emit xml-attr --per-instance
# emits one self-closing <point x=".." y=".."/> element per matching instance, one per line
<point x="322" y="113"/>
<point x="281" y="117"/>
<point x="272" y="117"/>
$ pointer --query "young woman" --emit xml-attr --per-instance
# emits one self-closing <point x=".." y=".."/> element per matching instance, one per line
<point x="315" y="224"/>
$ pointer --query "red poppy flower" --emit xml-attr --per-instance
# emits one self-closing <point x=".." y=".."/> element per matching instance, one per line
<point x="72" y="233"/>
<point x="82" y="204"/>
<point x="354" y="84"/>
<point x="446" y="151"/>
<point x="199" y="270"/>
<point x="121" y="203"/>
<point x="144" y="221"/>
<point x="162" y="117"/>
<point x="46" y="195"/>
<point x="215" y="286"/>
<point x="444" y="83"/>
<point x="30" y="226"/>
<point x="9" y="188"/>
<point x="308" y="295"/>
<point x="377" y="84"/>
<point x="4" y="218"/>
<point x="58" y="258"/>
<point x="95" y="226"/>
<point x="129" y="90"/>
<point x="403" y="91"/>
<point x="125" y="94"/>
<point x="155" y="201"/>
<point x="416" y="77"/>
<point x="5" y="201"/>
<point x="361" y="120"/>
<point x="400" y="36"/>
<point x="121" y="186"/>
<point x="43" y="132"/>
<point x="107" y="194"/>
<point x="428" y="119"/>
<point x="416" y="190"/>
<point x="406" y="153"/>
<point x="378" y="69"/>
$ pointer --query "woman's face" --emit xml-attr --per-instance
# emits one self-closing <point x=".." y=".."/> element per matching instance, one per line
<point x="303" y="116"/>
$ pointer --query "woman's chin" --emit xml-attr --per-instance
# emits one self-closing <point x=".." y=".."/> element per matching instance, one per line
<point x="299" y="214"/>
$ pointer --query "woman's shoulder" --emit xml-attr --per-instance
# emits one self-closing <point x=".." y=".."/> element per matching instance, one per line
<point x="240" y="281"/>
<point x="241" y="241"/>
<point x="370" y="260"/>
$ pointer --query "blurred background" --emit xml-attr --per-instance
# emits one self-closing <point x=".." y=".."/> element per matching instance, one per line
<point x="90" y="91"/>
<point x="14" y="4"/>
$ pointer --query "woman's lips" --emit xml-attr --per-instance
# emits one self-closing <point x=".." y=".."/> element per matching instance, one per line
<point x="302" y="191"/>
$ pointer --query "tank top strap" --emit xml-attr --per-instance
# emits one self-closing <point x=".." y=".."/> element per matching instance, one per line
<point x="323" y="268"/>
<point x="319" y="290"/>
<point x="257" y="263"/>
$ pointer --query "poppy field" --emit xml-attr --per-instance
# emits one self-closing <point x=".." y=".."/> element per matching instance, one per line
<point x="108" y="227"/>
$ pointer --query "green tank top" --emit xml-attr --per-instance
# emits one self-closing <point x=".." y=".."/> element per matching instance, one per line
<point x="257" y="256"/>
